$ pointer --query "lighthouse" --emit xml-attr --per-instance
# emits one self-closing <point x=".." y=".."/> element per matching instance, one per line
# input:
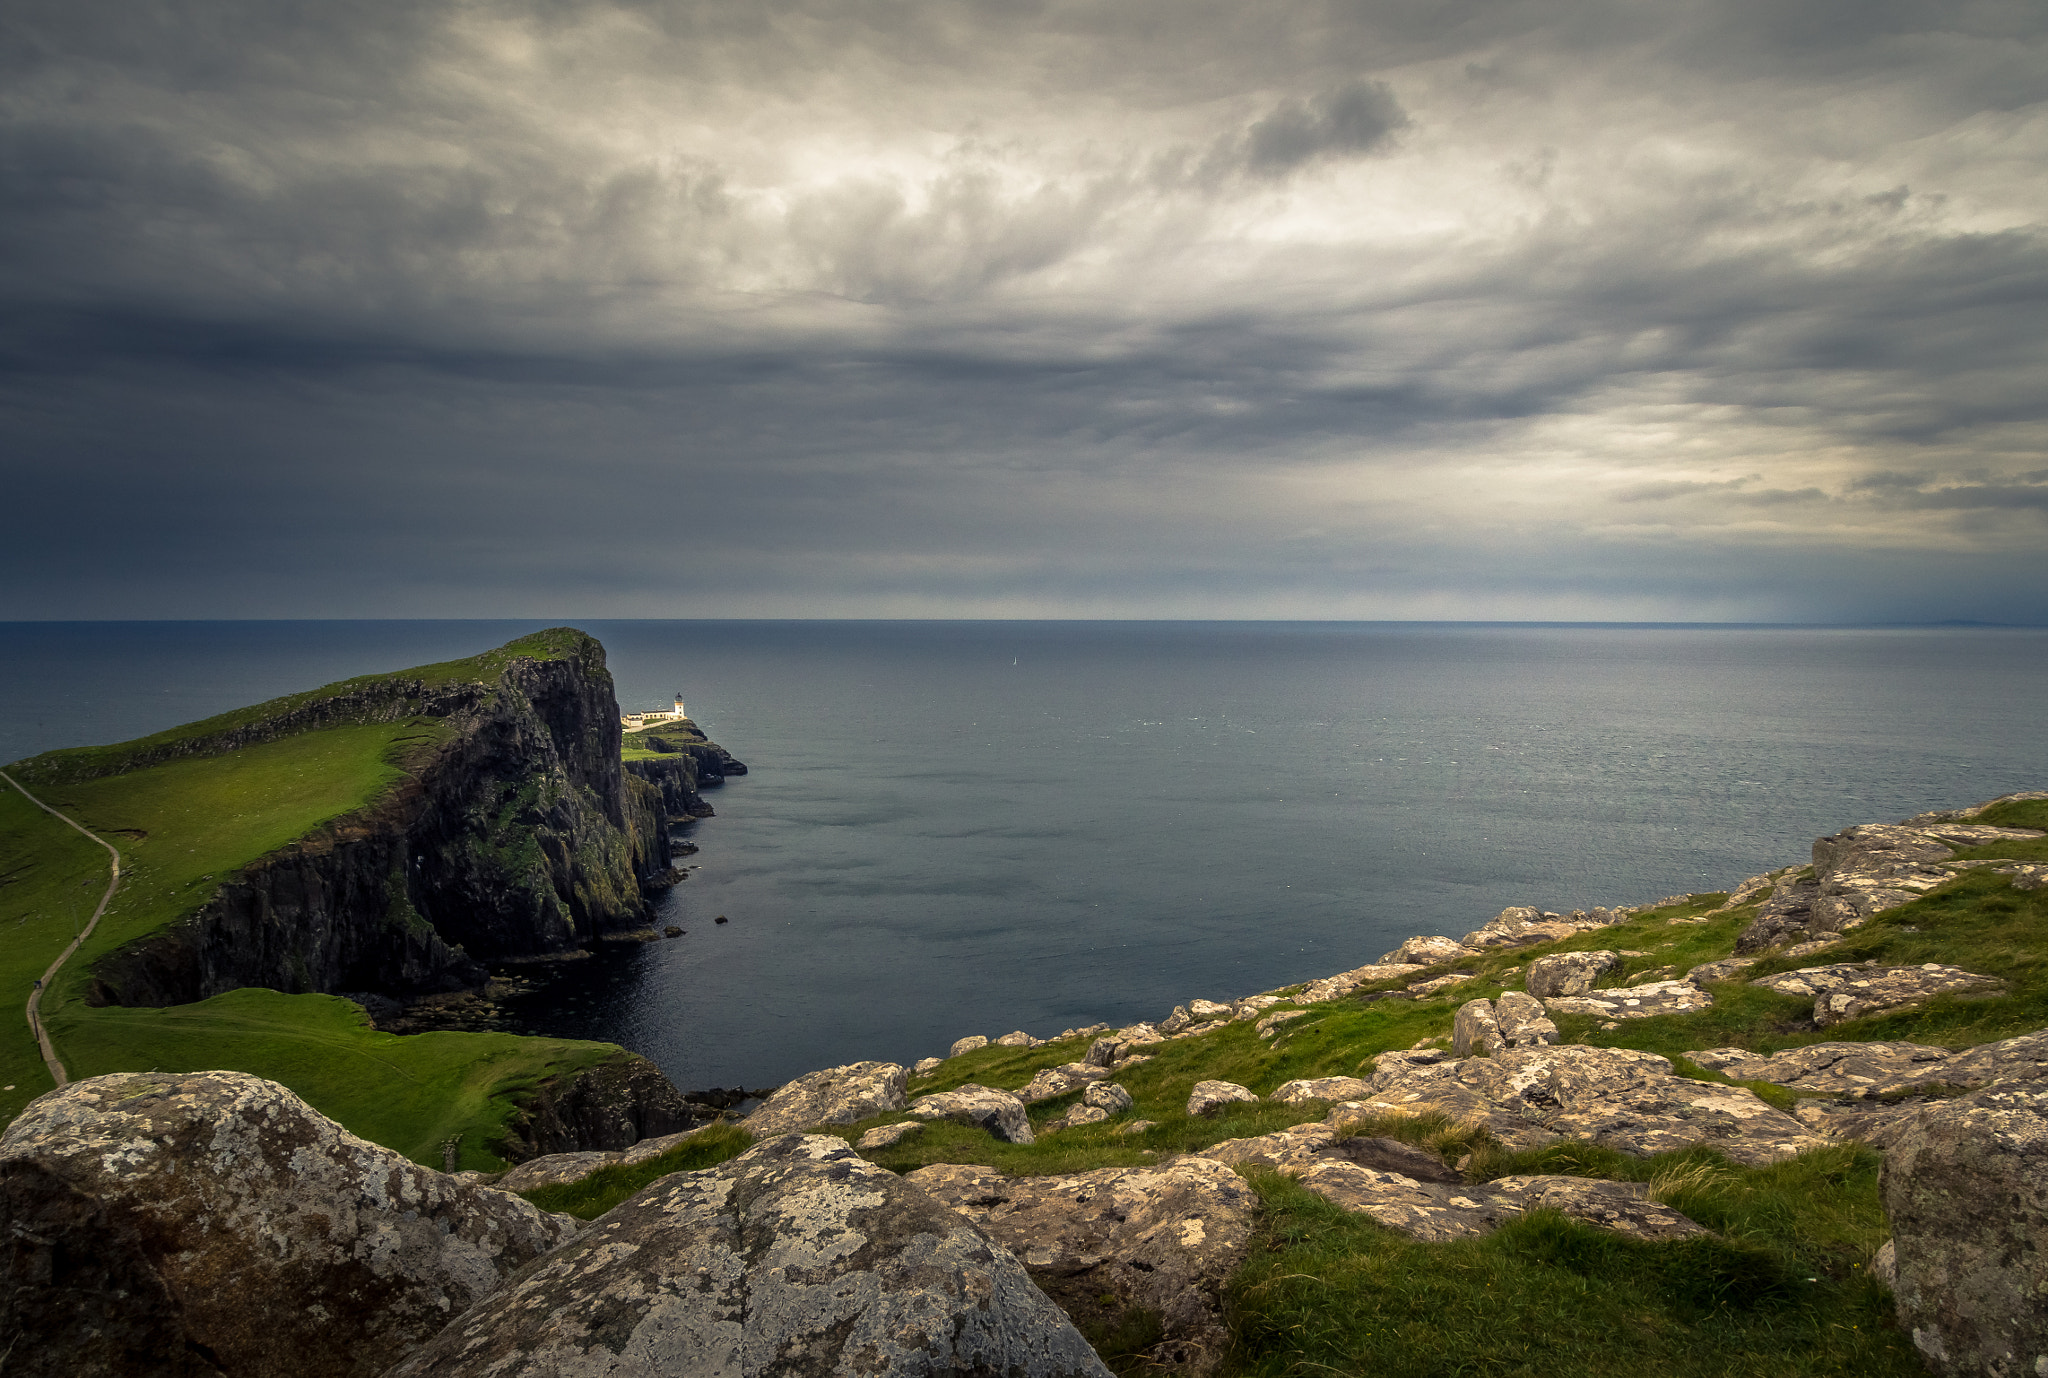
<point x="679" y="706"/>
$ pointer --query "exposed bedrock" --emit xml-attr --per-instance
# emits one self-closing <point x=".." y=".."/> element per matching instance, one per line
<point x="1966" y="1187"/>
<point x="609" y="1107"/>
<point x="796" y="1258"/>
<point x="521" y="836"/>
<point x="212" y="1223"/>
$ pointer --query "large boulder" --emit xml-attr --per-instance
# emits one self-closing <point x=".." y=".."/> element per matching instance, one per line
<point x="1570" y="973"/>
<point x="1344" y="982"/>
<point x="1001" y="1113"/>
<point x="796" y="1258"/>
<point x="837" y="1095"/>
<point x="214" y="1223"/>
<point x="1102" y="1243"/>
<point x="1966" y="1186"/>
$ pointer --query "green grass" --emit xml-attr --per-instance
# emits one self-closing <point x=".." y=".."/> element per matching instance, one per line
<point x="2016" y="813"/>
<point x="80" y="763"/>
<point x="605" y="1188"/>
<point x="186" y="824"/>
<point x="638" y="744"/>
<point x="1780" y="1290"/>
<point x="408" y="1092"/>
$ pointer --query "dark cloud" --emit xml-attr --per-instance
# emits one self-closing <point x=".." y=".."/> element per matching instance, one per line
<point x="1450" y="308"/>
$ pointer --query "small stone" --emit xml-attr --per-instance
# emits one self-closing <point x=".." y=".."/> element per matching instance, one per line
<point x="925" y="1066"/>
<point x="1019" y="1039"/>
<point x="1521" y="1020"/>
<point x="1205" y="1010"/>
<point x="1108" y="1096"/>
<point x="886" y="1135"/>
<point x="1270" y="1025"/>
<point x="967" y="1044"/>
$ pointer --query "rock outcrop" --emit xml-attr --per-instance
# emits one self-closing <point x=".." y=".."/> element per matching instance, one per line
<point x="1570" y="973"/>
<point x="1646" y="1001"/>
<point x="1966" y="1187"/>
<point x="610" y="1107"/>
<point x="213" y="1223"/>
<point x="836" y="1095"/>
<point x="1851" y="991"/>
<point x="1616" y="1097"/>
<point x="796" y="1258"/>
<point x="518" y="835"/>
<point x="1105" y="1243"/>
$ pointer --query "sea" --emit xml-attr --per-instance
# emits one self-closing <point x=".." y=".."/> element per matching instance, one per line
<point x="954" y="828"/>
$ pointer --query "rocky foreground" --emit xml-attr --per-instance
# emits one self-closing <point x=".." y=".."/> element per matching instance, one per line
<point x="212" y="1223"/>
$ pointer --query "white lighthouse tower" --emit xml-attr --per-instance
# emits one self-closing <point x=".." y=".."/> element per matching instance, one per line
<point x="679" y="705"/>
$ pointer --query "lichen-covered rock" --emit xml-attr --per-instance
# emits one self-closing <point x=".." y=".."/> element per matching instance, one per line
<point x="1475" y="1032"/>
<point x="1322" y="1088"/>
<point x="1161" y="1239"/>
<point x="967" y="1044"/>
<point x="1205" y="1010"/>
<point x="1617" y="1097"/>
<point x="1107" y="1095"/>
<point x="1050" y="1082"/>
<point x="1837" y="1068"/>
<point x="554" y="1169"/>
<point x="1966" y="1187"/>
<point x="1873" y="867"/>
<point x="1785" y="917"/>
<point x="1429" y="952"/>
<point x="1345" y="982"/>
<point x="1522" y="925"/>
<point x="836" y="1095"/>
<point x="1210" y="1096"/>
<point x="796" y="1258"/>
<point x="1521" y="1020"/>
<point x="1634" y="1002"/>
<point x="1626" y="1208"/>
<point x="1001" y="1113"/>
<point x="1721" y="970"/>
<point x="1075" y="1116"/>
<point x="214" y="1223"/>
<point x="1269" y="1026"/>
<point x="1570" y="973"/>
<point x="924" y="1066"/>
<point x="1019" y="1039"/>
<point x="1850" y="991"/>
<point x="888" y="1135"/>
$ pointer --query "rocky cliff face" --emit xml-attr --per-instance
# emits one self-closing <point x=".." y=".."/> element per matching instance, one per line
<point x="689" y="762"/>
<point x="520" y="835"/>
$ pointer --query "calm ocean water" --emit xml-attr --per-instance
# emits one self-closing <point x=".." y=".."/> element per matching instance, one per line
<point x="957" y="828"/>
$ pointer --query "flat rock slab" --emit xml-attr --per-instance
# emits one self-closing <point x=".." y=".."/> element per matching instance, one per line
<point x="796" y="1258"/>
<point x="836" y="1095"/>
<point x="1295" y="1150"/>
<point x="1165" y="1239"/>
<point x="1321" y="1088"/>
<point x="1345" y="982"/>
<point x="213" y="1222"/>
<point x="1617" y="1097"/>
<point x="1429" y="952"/>
<point x="1635" y="1002"/>
<point x="1626" y="1208"/>
<point x="1851" y="990"/>
<point x="1050" y="1083"/>
<point x="984" y="1107"/>
<point x="1966" y="1187"/>
<point x="554" y="1169"/>
<point x="1836" y="1068"/>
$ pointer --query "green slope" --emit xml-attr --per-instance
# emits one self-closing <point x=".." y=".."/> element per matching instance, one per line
<point x="185" y="825"/>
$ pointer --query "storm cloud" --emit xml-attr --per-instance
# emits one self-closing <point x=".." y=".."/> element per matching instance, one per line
<point x="1725" y="310"/>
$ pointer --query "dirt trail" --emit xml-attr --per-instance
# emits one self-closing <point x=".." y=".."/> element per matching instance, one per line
<point x="35" y="998"/>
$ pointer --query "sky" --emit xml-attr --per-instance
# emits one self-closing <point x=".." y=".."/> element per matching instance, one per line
<point x="1721" y="310"/>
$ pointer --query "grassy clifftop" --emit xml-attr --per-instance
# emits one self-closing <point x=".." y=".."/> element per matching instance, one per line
<point x="203" y="807"/>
